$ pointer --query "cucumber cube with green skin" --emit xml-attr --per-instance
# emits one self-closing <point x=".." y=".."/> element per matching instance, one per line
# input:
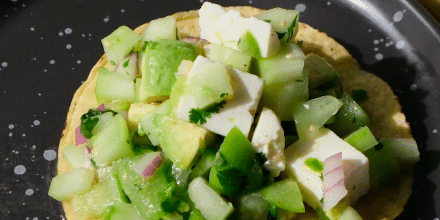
<point x="119" y="44"/>
<point x="235" y="169"/>
<point x="313" y="114"/>
<point x="195" y="214"/>
<point x="99" y="201"/>
<point x="252" y="206"/>
<point x="203" y="165"/>
<point x="128" y="67"/>
<point x="350" y="214"/>
<point x="112" y="143"/>
<point x="208" y="201"/>
<point x="117" y="106"/>
<point x="249" y="45"/>
<point x="284" y="194"/>
<point x="284" y="21"/>
<point x="137" y="86"/>
<point x="145" y="125"/>
<point x="124" y="210"/>
<point x="161" y="28"/>
<point x="285" y="81"/>
<point x="384" y="166"/>
<point x="112" y="86"/>
<point x="181" y="141"/>
<point x="104" y="120"/>
<point x="158" y="66"/>
<point x="405" y="150"/>
<point x="210" y="83"/>
<point x="323" y="78"/>
<point x="180" y="87"/>
<point x="229" y="56"/>
<point x="362" y="139"/>
<point x="74" y="155"/>
<point x="349" y="118"/>
<point x="74" y="182"/>
<point x="147" y="196"/>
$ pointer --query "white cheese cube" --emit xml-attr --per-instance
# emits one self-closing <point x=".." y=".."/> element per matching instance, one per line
<point x="323" y="145"/>
<point x="269" y="139"/>
<point x="239" y="111"/>
<point x="218" y="26"/>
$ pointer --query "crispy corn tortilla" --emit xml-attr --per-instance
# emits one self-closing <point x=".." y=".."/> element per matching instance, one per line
<point x="382" y="106"/>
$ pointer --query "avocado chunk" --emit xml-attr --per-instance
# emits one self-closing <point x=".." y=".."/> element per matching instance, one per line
<point x="158" y="66"/>
<point x="181" y="141"/>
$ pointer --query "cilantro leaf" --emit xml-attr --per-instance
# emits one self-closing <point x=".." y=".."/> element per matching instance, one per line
<point x="268" y="21"/>
<point x="290" y="29"/>
<point x="198" y="116"/>
<point x="281" y="35"/>
<point x="359" y="95"/>
<point x="261" y="158"/>
<point x="112" y="62"/>
<point x="300" y="43"/>
<point x="126" y="63"/>
<point x="88" y="122"/>
<point x="233" y="181"/>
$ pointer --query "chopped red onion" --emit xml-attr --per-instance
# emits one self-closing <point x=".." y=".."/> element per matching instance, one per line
<point x="148" y="164"/>
<point x="101" y="107"/>
<point x="334" y="189"/>
<point x="79" y="139"/>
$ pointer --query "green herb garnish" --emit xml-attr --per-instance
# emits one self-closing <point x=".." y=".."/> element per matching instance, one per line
<point x="300" y="43"/>
<point x="199" y="116"/>
<point x="232" y="180"/>
<point x="314" y="164"/>
<point x="126" y="63"/>
<point x="268" y="21"/>
<point x="112" y="62"/>
<point x="359" y="95"/>
<point x="88" y="122"/>
<point x="290" y="29"/>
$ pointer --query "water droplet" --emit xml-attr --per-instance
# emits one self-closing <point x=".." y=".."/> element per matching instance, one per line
<point x="300" y="7"/>
<point x="376" y="42"/>
<point x="68" y="46"/>
<point x="60" y="34"/>
<point x="434" y="131"/>
<point x="10" y="134"/>
<point x="29" y="192"/>
<point x="379" y="56"/>
<point x="79" y="61"/>
<point x="36" y="122"/>
<point x="49" y="155"/>
<point x="20" y="170"/>
<point x="68" y="31"/>
<point x="106" y="19"/>
<point x="52" y="61"/>
<point x="11" y="126"/>
<point x="413" y="87"/>
<point x="400" y="44"/>
<point x="32" y="29"/>
<point x="398" y="16"/>
<point x="329" y="3"/>
<point x="122" y="10"/>
<point x="4" y="64"/>
<point x="376" y="49"/>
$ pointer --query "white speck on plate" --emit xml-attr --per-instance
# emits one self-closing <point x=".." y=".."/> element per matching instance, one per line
<point x="29" y="192"/>
<point x="400" y="44"/>
<point x="78" y="62"/>
<point x="250" y="1"/>
<point x="36" y="122"/>
<point x="376" y="49"/>
<point x="39" y="94"/>
<point x="19" y="170"/>
<point x="413" y="87"/>
<point x="52" y="61"/>
<point x="60" y="34"/>
<point x="381" y="40"/>
<point x="4" y="64"/>
<point x="300" y="7"/>
<point x="49" y="155"/>
<point x="106" y="19"/>
<point x="435" y="131"/>
<point x="201" y="1"/>
<point x="122" y="10"/>
<point x="68" y="30"/>
<point x="376" y="42"/>
<point x="68" y="46"/>
<point x="10" y="134"/>
<point x="387" y="44"/>
<point x="32" y="29"/>
<point x="11" y="126"/>
<point x="398" y="16"/>
<point x="379" y="56"/>
<point x="24" y="135"/>
<point x="34" y="147"/>
<point x="35" y="218"/>
<point x="329" y="3"/>
<point x="13" y="0"/>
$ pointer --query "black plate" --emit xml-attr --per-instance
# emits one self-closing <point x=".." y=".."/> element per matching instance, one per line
<point x="47" y="48"/>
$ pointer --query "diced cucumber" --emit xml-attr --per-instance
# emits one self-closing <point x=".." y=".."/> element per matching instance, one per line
<point x="74" y="155"/>
<point x="285" y="81"/>
<point x="229" y="56"/>
<point x="74" y="182"/>
<point x="249" y="45"/>
<point x="181" y="141"/>
<point x="146" y="196"/>
<point x="136" y="112"/>
<point x="350" y="214"/>
<point x="124" y="211"/>
<point x="158" y="66"/>
<point x="137" y="86"/>
<point x="405" y="150"/>
<point x="208" y="201"/>
<point x="172" y="216"/>
<point x="383" y="164"/>
<point x="349" y="118"/>
<point x="104" y="120"/>
<point x="323" y="78"/>
<point x="111" y="86"/>
<point x="284" y="194"/>
<point x="235" y="169"/>
<point x="362" y="139"/>
<point x="203" y="165"/>
<point x="112" y="143"/>
<point x="178" y="90"/>
<point x="100" y="199"/>
<point x="145" y="125"/>
<point x="313" y="114"/>
<point x="128" y="67"/>
<point x="285" y="22"/>
<point x="195" y="214"/>
<point x="161" y="28"/>
<point x="211" y="85"/>
<point x="119" y="44"/>
<point x="252" y="206"/>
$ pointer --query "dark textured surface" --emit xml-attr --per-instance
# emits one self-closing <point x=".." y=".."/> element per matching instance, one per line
<point x="47" y="48"/>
